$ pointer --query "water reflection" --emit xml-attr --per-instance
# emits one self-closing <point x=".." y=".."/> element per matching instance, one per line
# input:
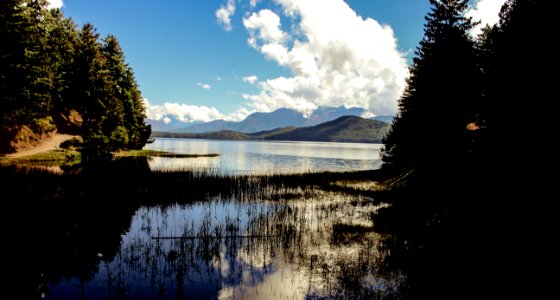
<point x="52" y="242"/>
<point x="260" y="157"/>
<point x="318" y="246"/>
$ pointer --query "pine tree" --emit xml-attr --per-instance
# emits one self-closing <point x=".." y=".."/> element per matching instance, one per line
<point x="135" y="119"/>
<point x="441" y="97"/>
<point x="126" y="121"/>
<point x="26" y="78"/>
<point x="115" y="65"/>
<point x="517" y="71"/>
<point x="90" y="90"/>
<point x="12" y="49"/>
<point x="61" y="46"/>
<point x="521" y="124"/>
<point x="38" y="77"/>
<point x="110" y="100"/>
<point x="49" y="68"/>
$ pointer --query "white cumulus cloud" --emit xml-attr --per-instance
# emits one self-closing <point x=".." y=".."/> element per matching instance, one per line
<point x="224" y="13"/>
<point x="485" y="11"/>
<point x="182" y="112"/>
<point x="336" y="57"/>
<point x="205" y="86"/>
<point x="265" y="25"/>
<point x="55" y="4"/>
<point x="191" y="113"/>
<point x="250" y="79"/>
<point x="239" y="115"/>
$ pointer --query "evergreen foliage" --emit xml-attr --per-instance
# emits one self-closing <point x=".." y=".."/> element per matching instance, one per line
<point x="515" y="77"/>
<point x="462" y="198"/>
<point x="48" y="68"/>
<point x="441" y="97"/>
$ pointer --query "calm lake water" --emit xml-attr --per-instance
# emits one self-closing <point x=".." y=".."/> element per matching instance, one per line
<point x="266" y="157"/>
<point x="264" y="241"/>
<point x="319" y="248"/>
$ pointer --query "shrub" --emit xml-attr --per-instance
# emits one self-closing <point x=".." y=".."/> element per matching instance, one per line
<point x="43" y="125"/>
<point x="73" y="143"/>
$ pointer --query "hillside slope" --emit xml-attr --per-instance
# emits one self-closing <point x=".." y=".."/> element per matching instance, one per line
<point x="350" y="129"/>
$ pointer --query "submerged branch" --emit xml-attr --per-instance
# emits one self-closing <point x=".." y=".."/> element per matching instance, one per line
<point x="214" y="237"/>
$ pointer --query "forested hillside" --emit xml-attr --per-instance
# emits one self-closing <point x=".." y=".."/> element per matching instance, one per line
<point x="349" y="129"/>
<point x="55" y="76"/>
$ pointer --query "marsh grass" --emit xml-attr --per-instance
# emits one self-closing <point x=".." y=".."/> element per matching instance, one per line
<point x="324" y="226"/>
<point x="302" y="221"/>
<point x="68" y="156"/>
<point x="349" y="233"/>
<point x="57" y="157"/>
<point x="129" y="180"/>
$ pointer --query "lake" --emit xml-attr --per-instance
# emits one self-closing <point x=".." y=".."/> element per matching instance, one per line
<point x="265" y="157"/>
<point x="319" y="245"/>
<point x="133" y="234"/>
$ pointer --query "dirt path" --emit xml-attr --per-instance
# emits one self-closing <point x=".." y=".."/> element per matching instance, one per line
<point x="50" y="144"/>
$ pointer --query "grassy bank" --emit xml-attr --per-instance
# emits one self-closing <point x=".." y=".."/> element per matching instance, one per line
<point x="129" y="180"/>
<point x="57" y="157"/>
<point x="71" y="157"/>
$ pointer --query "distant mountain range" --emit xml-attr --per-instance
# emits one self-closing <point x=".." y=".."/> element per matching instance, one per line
<point x="259" y="121"/>
<point x="344" y="129"/>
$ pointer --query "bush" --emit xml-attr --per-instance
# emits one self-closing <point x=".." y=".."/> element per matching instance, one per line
<point x="43" y="125"/>
<point x="73" y="143"/>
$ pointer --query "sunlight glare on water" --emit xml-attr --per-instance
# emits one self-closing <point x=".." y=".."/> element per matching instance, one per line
<point x="265" y="157"/>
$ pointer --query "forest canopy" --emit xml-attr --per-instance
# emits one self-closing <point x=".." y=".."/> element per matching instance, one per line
<point x="56" y="76"/>
<point x="466" y="94"/>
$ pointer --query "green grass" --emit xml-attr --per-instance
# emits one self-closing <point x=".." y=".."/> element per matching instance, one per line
<point x="154" y="153"/>
<point x="69" y="157"/>
<point x="56" y="157"/>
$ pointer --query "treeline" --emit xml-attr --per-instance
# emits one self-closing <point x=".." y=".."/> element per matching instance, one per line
<point x="51" y="71"/>
<point x="468" y="95"/>
<point x="468" y="153"/>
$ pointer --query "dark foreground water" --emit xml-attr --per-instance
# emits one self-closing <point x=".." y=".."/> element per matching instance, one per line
<point x="120" y="231"/>
<point x="226" y="249"/>
<point x="316" y="245"/>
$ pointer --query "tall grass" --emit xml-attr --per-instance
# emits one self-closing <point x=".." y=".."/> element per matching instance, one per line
<point x="130" y="181"/>
<point x="302" y="220"/>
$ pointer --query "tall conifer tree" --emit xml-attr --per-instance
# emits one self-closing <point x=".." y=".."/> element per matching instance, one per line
<point x="518" y="77"/>
<point x="48" y="67"/>
<point x="441" y="97"/>
<point x="91" y="89"/>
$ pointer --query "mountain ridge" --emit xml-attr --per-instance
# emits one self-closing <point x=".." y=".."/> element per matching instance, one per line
<point x="350" y="129"/>
<point x="260" y="121"/>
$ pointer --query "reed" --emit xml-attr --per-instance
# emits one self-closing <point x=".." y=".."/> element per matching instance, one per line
<point x="130" y="181"/>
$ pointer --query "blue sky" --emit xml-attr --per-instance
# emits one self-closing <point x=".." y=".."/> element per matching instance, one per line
<point x="200" y="60"/>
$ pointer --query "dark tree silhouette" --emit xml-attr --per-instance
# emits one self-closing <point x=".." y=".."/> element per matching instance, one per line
<point x="126" y="130"/>
<point x="516" y="69"/>
<point x="441" y="97"/>
<point x="488" y="199"/>
<point x="428" y="142"/>
<point x="92" y="88"/>
<point x="521" y="124"/>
